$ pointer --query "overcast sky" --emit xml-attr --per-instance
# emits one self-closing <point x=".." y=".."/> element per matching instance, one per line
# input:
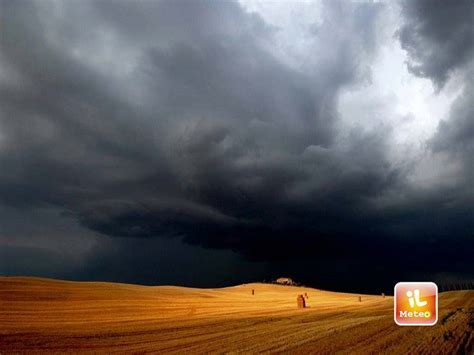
<point x="208" y="143"/>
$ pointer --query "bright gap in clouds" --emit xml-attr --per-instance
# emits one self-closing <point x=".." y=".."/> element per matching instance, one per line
<point x="406" y="104"/>
<point x="294" y="24"/>
<point x="407" y="108"/>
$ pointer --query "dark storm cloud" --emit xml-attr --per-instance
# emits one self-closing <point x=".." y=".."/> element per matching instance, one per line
<point x="176" y="120"/>
<point x="438" y="35"/>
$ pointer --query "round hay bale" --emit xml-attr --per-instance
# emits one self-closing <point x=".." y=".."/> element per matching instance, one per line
<point x="300" y="301"/>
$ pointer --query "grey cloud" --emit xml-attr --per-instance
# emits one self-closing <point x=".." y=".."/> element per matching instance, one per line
<point x="438" y="36"/>
<point x="456" y="134"/>
<point x="454" y="138"/>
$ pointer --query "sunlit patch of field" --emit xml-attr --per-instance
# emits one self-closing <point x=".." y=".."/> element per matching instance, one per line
<point x="50" y="315"/>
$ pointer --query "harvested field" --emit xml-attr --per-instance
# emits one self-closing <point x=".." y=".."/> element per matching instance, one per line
<point x="50" y="315"/>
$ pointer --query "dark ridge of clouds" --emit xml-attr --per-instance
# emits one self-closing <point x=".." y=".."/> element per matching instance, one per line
<point x="174" y="120"/>
<point x="438" y="36"/>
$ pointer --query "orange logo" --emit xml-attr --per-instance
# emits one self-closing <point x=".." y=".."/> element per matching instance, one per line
<point x="416" y="303"/>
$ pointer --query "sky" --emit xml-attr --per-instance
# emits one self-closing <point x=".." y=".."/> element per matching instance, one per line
<point x="210" y="143"/>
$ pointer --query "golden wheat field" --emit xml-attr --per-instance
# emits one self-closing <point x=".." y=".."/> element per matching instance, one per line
<point x="44" y="315"/>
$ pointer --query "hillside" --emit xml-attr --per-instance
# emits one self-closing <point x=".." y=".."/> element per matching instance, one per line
<point x="51" y="315"/>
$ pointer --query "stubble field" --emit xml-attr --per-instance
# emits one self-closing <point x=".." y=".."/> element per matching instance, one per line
<point x="44" y="315"/>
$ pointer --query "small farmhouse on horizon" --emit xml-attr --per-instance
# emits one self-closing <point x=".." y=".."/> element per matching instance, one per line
<point x="285" y="281"/>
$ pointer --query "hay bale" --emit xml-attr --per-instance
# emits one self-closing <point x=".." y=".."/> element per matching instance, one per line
<point x="300" y="301"/>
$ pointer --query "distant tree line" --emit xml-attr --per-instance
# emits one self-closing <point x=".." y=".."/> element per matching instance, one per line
<point x="456" y="286"/>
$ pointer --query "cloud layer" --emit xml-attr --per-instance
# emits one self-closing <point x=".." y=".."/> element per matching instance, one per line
<point x="185" y="120"/>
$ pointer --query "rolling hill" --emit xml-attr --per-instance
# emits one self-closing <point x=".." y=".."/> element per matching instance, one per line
<point x="55" y="316"/>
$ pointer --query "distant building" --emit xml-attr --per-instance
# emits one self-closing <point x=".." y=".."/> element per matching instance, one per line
<point x="285" y="281"/>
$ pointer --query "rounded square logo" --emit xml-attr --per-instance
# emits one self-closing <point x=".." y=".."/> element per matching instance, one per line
<point x="416" y="303"/>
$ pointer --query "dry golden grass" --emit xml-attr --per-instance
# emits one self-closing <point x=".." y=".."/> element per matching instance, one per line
<point x="56" y="316"/>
